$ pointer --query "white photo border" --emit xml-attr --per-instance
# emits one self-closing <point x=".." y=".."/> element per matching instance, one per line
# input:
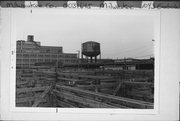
<point x="139" y="12"/>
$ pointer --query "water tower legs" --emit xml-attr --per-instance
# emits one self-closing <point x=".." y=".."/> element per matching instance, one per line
<point x="86" y="59"/>
<point x="82" y="59"/>
<point x="91" y="59"/>
<point x="95" y="59"/>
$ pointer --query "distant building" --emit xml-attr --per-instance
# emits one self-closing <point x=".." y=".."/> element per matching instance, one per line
<point x="30" y="52"/>
<point x="120" y="67"/>
<point x="131" y="64"/>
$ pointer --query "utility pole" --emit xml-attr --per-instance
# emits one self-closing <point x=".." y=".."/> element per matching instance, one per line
<point x="125" y="63"/>
<point x="78" y="57"/>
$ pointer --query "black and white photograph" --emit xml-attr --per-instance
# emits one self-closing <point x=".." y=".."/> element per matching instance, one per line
<point x="89" y="60"/>
<point x="85" y="61"/>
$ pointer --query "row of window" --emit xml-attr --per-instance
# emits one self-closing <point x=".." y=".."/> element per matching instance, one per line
<point x="51" y="51"/>
<point x="46" y="60"/>
<point x="32" y="61"/>
<point x="30" y="50"/>
<point x="25" y="49"/>
<point x="43" y="55"/>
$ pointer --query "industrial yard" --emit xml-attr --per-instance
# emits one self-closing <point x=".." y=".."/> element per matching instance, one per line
<point x="85" y="80"/>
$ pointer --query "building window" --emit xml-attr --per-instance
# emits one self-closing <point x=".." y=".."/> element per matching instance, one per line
<point x="54" y="56"/>
<point x="48" y="50"/>
<point x="73" y="61"/>
<point x="47" y="56"/>
<point x="25" y="55"/>
<point x="40" y="55"/>
<point x="66" y="56"/>
<point x="47" y="60"/>
<point x="18" y="60"/>
<point x="73" y="56"/>
<point x="40" y="60"/>
<point x="60" y="59"/>
<point x="33" y="55"/>
<point x="60" y="56"/>
<point x="67" y="61"/>
<point x="25" y="60"/>
<point x="18" y="55"/>
<point x="54" y="60"/>
<point x="60" y="51"/>
<point x="33" y="60"/>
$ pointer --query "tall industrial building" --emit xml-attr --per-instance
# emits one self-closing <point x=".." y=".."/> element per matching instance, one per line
<point x="30" y="52"/>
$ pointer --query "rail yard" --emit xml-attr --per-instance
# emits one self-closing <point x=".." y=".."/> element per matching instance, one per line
<point x="52" y="87"/>
<point x="85" y="83"/>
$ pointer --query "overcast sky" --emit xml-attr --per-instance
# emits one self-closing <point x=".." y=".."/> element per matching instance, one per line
<point x="119" y="35"/>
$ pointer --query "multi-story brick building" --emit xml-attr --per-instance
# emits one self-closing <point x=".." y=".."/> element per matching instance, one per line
<point x="30" y="52"/>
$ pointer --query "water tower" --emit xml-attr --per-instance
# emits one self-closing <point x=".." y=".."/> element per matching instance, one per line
<point x="90" y="49"/>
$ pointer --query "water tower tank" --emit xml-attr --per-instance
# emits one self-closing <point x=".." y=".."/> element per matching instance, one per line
<point x="91" y="49"/>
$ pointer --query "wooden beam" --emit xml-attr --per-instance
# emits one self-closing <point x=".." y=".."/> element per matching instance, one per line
<point x="133" y="80"/>
<point x="68" y="79"/>
<point x="117" y="105"/>
<point x="138" y="83"/>
<point x="64" y="104"/>
<point x="47" y="72"/>
<point x="98" y="86"/>
<point x="123" y="71"/>
<point x="39" y="100"/>
<point x="25" y="78"/>
<point x="85" y="101"/>
<point x="137" y="103"/>
<point x="117" y="88"/>
<point x="71" y="81"/>
<point x="26" y="99"/>
<point x="84" y="76"/>
<point x="34" y="89"/>
<point x="22" y="83"/>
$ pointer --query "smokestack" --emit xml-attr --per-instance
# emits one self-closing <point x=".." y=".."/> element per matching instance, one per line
<point x="30" y="38"/>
